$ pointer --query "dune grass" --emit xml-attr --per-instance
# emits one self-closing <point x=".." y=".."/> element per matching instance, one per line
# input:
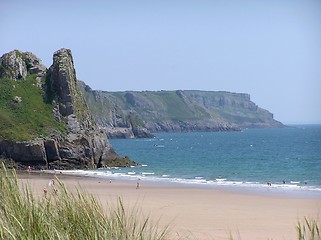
<point x="66" y="215"/>
<point x="309" y="229"/>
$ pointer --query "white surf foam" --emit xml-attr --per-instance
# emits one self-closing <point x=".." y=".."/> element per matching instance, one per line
<point x="197" y="181"/>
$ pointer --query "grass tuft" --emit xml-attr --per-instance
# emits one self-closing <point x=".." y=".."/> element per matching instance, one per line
<point x="309" y="229"/>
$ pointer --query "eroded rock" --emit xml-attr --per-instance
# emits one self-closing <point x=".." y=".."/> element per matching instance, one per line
<point x="84" y="144"/>
<point x="13" y="66"/>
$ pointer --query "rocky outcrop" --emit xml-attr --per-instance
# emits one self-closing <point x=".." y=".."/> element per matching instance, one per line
<point x="63" y="83"/>
<point x="28" y="153"/>
<point x="83" y="144"/>
<point x="33" y="64"/>
<point x="191" y="126"/>
<point x="13" y="66"/>
<point x="109" y="114"/>
<point x="16" y="65"/>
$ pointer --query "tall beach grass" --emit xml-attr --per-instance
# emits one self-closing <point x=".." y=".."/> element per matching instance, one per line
<point x="309" y="229"/>
<point x="63" y="214"/>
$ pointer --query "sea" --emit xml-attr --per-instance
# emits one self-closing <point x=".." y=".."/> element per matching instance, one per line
<point x="278" y="160"/>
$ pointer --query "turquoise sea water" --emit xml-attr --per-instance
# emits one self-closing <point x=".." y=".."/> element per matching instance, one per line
<point x="289" y="158"/>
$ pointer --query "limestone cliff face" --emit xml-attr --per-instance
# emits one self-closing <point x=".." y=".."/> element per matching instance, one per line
<point x="85" y="141"/>
<point x="109" y="114"/>
<point x="13" y="66"/>
<point x="176" y="111"/>
<point x="84" y="144"/>
<point x="16" y="65"/>
<point x="236" y="108"/>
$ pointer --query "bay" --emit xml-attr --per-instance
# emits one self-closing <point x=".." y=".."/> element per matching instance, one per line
<point x="289" y="158"/>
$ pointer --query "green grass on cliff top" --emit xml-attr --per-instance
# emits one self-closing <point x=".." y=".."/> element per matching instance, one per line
<point x="168" y="104"/>
<point x="26" y="119"/>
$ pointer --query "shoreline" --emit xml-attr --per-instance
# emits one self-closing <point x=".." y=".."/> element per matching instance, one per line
<point x="281" y="190"/>
<point x="200" y="213"/>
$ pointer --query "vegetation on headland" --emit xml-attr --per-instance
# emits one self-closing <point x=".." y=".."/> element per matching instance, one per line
<point x="24" y="115"/>
<point x="62" y="214"/>
<point x="44" y="120"/>
<point x="176" y="111"/>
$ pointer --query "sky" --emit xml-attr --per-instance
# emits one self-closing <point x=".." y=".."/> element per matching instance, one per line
<point x="270" y="49"/>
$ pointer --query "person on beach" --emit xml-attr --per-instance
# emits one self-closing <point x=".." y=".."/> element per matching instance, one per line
<point x="51" y="183"/>
<point x="137" y="184"/>
<point x="45" y="191"/>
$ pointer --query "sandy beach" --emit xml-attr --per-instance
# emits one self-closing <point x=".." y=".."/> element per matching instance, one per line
<point x="197" y="213"/>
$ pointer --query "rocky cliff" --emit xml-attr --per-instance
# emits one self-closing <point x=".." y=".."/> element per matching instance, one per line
<point x="118" y="122"/>
<point x="67" y="137"/>
<point x="175" y="111"/>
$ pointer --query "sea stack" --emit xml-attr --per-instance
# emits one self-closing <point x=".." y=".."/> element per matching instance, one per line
<point x="85" y="143"/>
<point x="82" y="144"/>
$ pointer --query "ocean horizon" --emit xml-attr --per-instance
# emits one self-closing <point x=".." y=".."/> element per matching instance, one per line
<point x="279" y="160"/>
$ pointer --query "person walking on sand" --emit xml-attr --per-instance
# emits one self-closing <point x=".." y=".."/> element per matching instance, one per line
<point x="137" y="184"/>
<point x="45" y="191"/>
<point x="51" y="183"/>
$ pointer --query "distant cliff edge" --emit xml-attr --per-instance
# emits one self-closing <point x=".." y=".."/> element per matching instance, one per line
<point x="139" y="114"/>
<point x="45" y="122"/>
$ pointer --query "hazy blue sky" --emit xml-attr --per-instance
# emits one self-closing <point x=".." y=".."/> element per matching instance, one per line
<point x="270" y="49"/>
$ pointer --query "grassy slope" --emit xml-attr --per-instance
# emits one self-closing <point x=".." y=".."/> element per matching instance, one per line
<point x="175" y="107"/>
<point x="167" y="104"/>
<point x="190" y="105"/>
<point x="28" y="119"/>
<point x="161" y="105"/>
<point x="164" y="105"/>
